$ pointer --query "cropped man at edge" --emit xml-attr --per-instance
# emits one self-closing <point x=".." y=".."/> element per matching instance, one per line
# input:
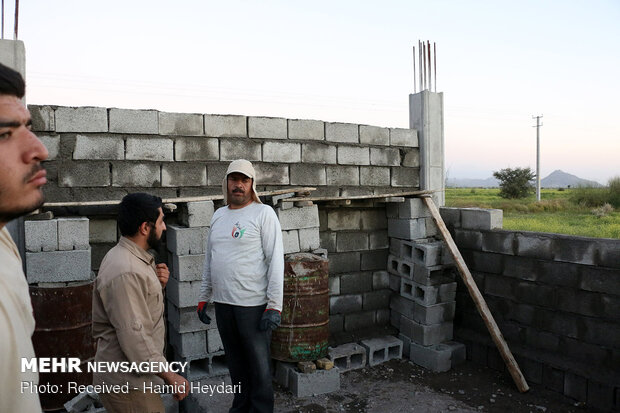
<point x="128" y="309"/>
<point x="21" y="179"/>
<point x="244" y="277"/>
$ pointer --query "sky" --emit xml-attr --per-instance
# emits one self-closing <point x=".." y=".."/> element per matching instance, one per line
<point x="498" y="64"/>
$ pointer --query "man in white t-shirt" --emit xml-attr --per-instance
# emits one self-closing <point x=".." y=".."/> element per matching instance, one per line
<point x="21" y="179"/>
<point x="244" y="276"/>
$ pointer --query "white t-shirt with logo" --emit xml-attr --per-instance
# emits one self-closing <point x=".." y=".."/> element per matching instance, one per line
<point x="244" y="260"/>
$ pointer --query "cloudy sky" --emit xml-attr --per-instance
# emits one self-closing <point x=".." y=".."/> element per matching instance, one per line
<point x="498" y="63"/>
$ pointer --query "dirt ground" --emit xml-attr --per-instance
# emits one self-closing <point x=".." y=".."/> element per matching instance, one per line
<point x="401" y="386"/>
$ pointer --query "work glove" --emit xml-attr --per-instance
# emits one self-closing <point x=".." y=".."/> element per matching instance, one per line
<point x="202" y="312"/>
<point x="270" y="320"/>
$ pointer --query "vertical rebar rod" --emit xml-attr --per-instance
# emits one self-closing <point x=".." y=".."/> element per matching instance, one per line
<point x="430" y="70"/>
<point x="16" y="18"/>
<point x="414" y="79"/>
<point x="435" y="57"/>
<point x="2" y="19"/>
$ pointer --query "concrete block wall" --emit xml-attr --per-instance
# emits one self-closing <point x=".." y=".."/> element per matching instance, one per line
<point x="100" y="153"/>
<point x="555" y="298"/>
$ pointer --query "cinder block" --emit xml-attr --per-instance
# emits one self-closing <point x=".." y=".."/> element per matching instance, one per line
<point x="403" y="137"/>
<point x="306" y="129"/>
<point x="318" y="153"/>
<point x="73" y="234"/>
<point x="297" y="218"/>
<point x="375" y="300"/>
<point x="318" y="382"/>
<point x="81" y="403"/>
<point x="351" y="241"/>
<point x="375" y="176"/>
<point x="344" y="262"/>
<point x="378" y="239"/>
<point x="478" y="218"/>
<point x="392" y="264"/>
<point x="336" y="323"/>
<point x="186" y="241"/>
<point x="395" y="283"/>
<point x="196" y="149"/>
<point x="267" y="128"/>
<point x="348" y="356"/>
<point x="302" y="174"/>
<point x="186" y="124"/>
<point x="98" y="147"/>
<point x="197" y="214"/>
<point x="438" y="358"/>
<point x="149" y="149"/>
<point x="86" y="174"/>
<point x="345" y="304"/>
<point x="426" y="335"/>
<point x="58" y="266"/>
<point x="402" y="306"/>
<point x="82" y="119"/>
<point x="183" y="293"/>
<point x="380" y="280"/>
<point x="214" y="341"/>
<point x="225" y="126"/>
<point x="42" y="118"/>
<point x="102" y="230"/>
<point x="427" y="295"/>
<point x="382" y="349"/>
<point x="406" y="344"/>
<point x="272" y="174"/>
<point x="343" y="219"/>
<point x="204" y="366"/>
<point x="353" y="155"/>
<point x="535" y="245"/>
<point x="134" y="121"/>
<point x="395" y="320"/>
<point x="188" y="344"/>
<point x="282" y="372"/>
<point x="185" y="320"/>
<point x="403" y="176"/>
<point x="372" y="219"/>
<point x="432" y="275"/>
<point x="52" y="144"/>
<point x="412" y="158"/>
<point x="451" y="216"/>
<point x="309" y="239"/>
<point x="342" y="132"/>
<point x="384" y="156"/>
<point x="143" y="175"/>
<point x="434" y="314"/>
<point x="374" y="135"/>
<point x="426" y="253"/>
<point x="359" y="321"/>
<point x="413" y="208"/>
<point x="374" y="260"/>
<point x="356" y="282"/>
<point x="187" y="267"/>
<point x="231" y="149"/>
<point x="283" y="152"/>
<point x="183" y="174"/>
<point x="290" y="241"/>
<point x="334" y="286"/>
<point x="343" y="175"/>
<point x="41" y="235"/>
<point x="407" y="229"/>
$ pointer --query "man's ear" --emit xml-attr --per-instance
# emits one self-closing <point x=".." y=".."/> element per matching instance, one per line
<point x="144" y="228"/>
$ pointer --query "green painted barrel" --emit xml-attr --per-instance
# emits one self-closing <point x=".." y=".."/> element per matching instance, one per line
<point x="304" y="332"/>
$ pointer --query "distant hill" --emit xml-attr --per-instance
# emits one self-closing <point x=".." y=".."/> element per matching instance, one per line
<point x="556" y="179"/>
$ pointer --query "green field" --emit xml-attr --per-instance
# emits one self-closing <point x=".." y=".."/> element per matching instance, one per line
<point x="554" y="213"/>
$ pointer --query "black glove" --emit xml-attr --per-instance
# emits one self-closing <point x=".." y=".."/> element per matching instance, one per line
<point x="270" y="320"/>
<point x="202" y="313"/>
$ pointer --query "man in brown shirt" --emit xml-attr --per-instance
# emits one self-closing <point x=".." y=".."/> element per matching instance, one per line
<point x="128" y="311"/>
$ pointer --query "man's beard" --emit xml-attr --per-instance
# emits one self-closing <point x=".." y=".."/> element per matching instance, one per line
<point x="153" y="241"/>
<point x="237" y="201"/>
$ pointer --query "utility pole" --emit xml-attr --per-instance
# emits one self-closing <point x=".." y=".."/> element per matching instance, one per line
<point x="538" y="125"/>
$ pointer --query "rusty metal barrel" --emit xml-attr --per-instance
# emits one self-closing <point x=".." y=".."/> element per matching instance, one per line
<point x="304" y="332"/>
<point x="63" y="329"/>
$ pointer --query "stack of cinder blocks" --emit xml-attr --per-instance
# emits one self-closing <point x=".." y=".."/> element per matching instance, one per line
<point x="192" y="341"/>
<point x="57" y="251"/>
<point x="300" y="227"/>
<point x="422" y="276"/>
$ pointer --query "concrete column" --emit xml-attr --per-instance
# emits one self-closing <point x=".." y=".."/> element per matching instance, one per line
<point x="13" y="55"/>
<point x="426" y="116"/>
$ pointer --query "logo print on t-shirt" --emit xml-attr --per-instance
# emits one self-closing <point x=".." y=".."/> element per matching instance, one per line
<point x="237" y="231"/>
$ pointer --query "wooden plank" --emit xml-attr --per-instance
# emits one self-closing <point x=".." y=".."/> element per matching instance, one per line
<point x="354" y="197"/>
<point x="481" y="305"/>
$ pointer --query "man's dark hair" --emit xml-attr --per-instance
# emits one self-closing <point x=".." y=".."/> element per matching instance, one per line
<point x="11" y="82"/>
<point x="136" y="209"/>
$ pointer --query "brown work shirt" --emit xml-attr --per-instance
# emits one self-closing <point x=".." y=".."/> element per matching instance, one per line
<point x="128" y="314"/>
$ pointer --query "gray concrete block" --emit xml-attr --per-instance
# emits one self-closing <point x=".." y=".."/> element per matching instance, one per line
<point x="144" y="175"/>
<point x="575" y="386"/>
<point x="225" y="126"/>
<point x="374" y="260"/>
<point x="186" y="124"/>
<point x="535" y="245"/>
<point x="375" y="300"/>
<point x="334" y="285"/>
<point x="382" y="316"/>
<point x="73" y="234"/>
<point x="406" y="344"/>
<point x="351" y="241"/>
<point x="187" y="267"/>
<point x="434" y="314"/>
<point x="102" y="230"/>
<point x="380" y="280"/>
<point x="374" y="176"/>
<point x="407" y="229"/>
<point x="342" y="132"/>
<point x="359" y="321"/>
<point x="188" y="344"/>
<point x="134" y="121"/>
<point x="438" y="358"/>
<point x="479" y="218"/>
<point x="343" y="219"/>
<point x="378" y="239"/>
<point x="318" y="153"/>
<point x="290" y="241"/>
<point x="328" y="240"/>
<point x="196" y="149"/>
<point x="296" y="218"/>
<point x="395" y="322"/>
<point x="302" y="174"/>
<point x="271" y="174"/>
<point x="214" y="341"/>
<point x="356" y="282"/>
<point x="384" y="156"/>
<point x="231" y="149"/>
<point x="58" y="266"/>
<point x="82" y="119"/>
<point x="407" y="177"/>
<point x="185" y="320"/>
<point x="428" y="295"/>
<point x="348" y="357"/>
<point x="382" y="349"/>
<point x="374" y="135"/>
<point x="427" y="254"/>
<point x="403" y="137"/>
<point x="87" y="174"/>
<point x="183" y="174"/>
<point x="426" y="335"/>
<point x="183" y="293"/>
<point x="345" y="304"/>
<point x="343" y="175"/>
<point x="197" y="214"/>
<point x="52" y="144"/>
<point x="41" y="235"/>
<point x="306" y="129"/>
<point x="267" y="128"/>
<point x="309" y="239"/>
<point x="149" y="149"/>
<point x="413" y="208"/>
<point x="353" y="155"/>
<point x="432" y="275"/>
<point x="501" y="242"/>
<point x="468" y="239"/>
<point x="373" y="219"/>
<point x="282" y="152"/>
<point x="203" y="366"/>
<point x="282" y="372"/>
<point x="336" y="324"/>
<point x="98" y="147"/>
<point x="42" y="118"/>
<point x="451" y="216"/>
<point x="412" y="158"/>
<point x="318" y="382"/>
<point x="344" y="262"/>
